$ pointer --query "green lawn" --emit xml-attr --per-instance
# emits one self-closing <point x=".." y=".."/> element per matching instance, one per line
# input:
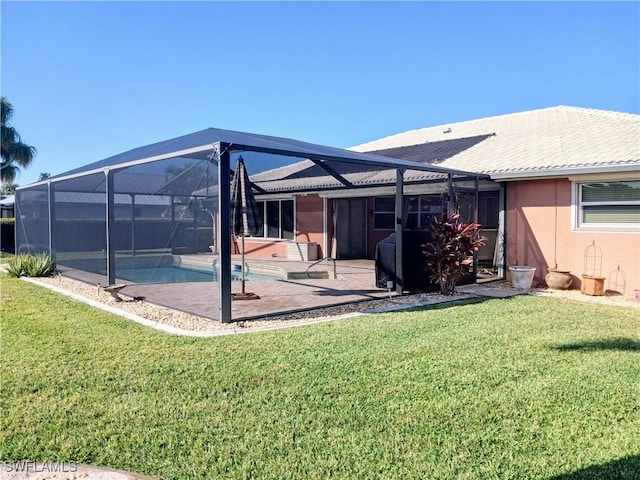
<point x="516" y="388"/>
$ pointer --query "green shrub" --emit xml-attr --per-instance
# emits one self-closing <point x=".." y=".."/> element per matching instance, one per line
<point x="15" y="266"/>
<point x="39" y="265"/>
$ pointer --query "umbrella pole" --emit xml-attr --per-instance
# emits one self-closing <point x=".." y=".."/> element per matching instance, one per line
<point x="242" y="266"/>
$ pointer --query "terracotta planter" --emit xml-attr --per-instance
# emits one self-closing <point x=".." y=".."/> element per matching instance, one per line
<point x="522" y="276"/>
<point x="558" y="279"/>
<point x="592" y="285"/>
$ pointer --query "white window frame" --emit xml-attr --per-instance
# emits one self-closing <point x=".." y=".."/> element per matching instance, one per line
<point x="577" y="206"/>
<point x="418" y="213"/>
<point x="421" y="210"/>
<point x="381" y="212"/>
<point x="265" y="228"/>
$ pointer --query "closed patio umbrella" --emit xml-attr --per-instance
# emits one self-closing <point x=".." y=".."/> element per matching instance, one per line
<point x="246" y="217"/>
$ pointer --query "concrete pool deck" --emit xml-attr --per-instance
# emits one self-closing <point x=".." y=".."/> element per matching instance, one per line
<point x="355" y="282"/>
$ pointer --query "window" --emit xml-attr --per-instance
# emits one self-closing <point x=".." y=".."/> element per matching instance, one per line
<point x="384" y="213"/>
<point x="609" y="203"/>
<point x="418" y="209"/>
<point x="488" y="209"/>
<point x="278" y="219"/>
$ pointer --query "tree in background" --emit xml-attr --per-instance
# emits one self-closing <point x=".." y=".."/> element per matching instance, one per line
<point x="43" y="176"/>
<point x="8" y="188"/>
<point x="15" y="153"/>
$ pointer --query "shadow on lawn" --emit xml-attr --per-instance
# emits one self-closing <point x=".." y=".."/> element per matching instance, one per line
<point x="627" y="468"/>
<point x="454" y="301"/>
<point x="620" y="343"/>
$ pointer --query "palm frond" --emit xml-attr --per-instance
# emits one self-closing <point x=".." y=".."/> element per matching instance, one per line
<point x="9" y="137"/>
<point x="8" y="172"/>
<point x="6" y="111"/>
<point x="22" y="154"/>
<point x="13" y="150"/>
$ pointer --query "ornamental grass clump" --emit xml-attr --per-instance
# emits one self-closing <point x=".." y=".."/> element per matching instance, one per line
<point x="450" y="250"/>
<point x="38" y="265"/>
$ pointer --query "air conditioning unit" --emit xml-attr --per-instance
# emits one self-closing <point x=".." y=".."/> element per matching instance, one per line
<point x="304" y="251"/>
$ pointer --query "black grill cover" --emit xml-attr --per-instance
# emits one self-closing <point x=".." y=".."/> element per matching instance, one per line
<point x="415" y="276"/>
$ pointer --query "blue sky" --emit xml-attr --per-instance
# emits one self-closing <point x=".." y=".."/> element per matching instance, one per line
<point x="90" y="79"/>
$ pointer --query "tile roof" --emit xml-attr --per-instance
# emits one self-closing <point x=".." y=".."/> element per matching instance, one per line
<point x="552" y="139"/>
<point x="306" y="175"/>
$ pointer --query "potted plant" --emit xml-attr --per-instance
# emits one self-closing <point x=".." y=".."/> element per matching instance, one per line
<point x="449" y="252"/>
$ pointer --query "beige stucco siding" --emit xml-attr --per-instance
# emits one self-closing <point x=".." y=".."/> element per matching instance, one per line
<point x="541" y="232"/>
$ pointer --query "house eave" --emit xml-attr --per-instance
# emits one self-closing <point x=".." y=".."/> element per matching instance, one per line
<point x="564" y="172"/>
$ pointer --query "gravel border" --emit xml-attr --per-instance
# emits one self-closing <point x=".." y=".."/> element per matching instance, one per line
<point x="178" y="322"/>
<point x="181" y="323"/>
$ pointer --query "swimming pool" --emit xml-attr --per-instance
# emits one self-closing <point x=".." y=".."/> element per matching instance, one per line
<point x="182" y="274"/>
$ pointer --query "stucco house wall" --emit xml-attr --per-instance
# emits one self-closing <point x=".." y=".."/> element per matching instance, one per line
<point x="541" y="232"/>
<point x="309" y="223"/>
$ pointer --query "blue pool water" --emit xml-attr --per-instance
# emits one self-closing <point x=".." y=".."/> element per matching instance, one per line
<point x="181" y="274"/>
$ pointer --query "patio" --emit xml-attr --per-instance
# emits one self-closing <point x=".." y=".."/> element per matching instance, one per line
<point x="355" y="282"/>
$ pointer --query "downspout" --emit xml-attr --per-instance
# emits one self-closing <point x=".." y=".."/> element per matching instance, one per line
<point x="502" y="231"/>
<point x="334" y="229"/>
<point x="555" y="228"/>
<point x="324" y="228"/>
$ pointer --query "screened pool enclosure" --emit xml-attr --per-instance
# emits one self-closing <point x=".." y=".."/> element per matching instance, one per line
<point x="140" y="210"/>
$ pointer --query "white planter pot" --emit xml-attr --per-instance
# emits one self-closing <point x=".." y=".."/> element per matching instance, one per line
<point x="522" y="276"/>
